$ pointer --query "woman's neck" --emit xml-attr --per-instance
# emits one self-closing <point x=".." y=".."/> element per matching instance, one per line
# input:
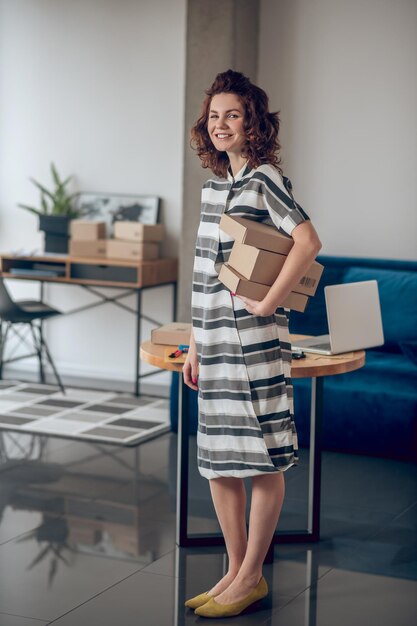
<point x="237" y="161"/>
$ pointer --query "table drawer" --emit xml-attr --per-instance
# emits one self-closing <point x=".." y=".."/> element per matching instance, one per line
<point x="105" y="273"/>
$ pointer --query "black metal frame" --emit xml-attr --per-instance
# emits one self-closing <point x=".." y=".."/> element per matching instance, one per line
<point x="102" y="300"/>
<point x="39" y="344"/>
<point x="312" y="533"/>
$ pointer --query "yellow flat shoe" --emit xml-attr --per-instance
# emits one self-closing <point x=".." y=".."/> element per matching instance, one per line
<point x="197" y="601"/>
<point x="214" y="609"/>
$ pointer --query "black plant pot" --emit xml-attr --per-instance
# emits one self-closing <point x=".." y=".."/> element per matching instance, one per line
<point x="56" y="228"/>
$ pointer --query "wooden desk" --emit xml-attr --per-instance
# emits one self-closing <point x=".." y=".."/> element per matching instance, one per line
<point x="88" y="273"/>
<point x="313" y="366"/>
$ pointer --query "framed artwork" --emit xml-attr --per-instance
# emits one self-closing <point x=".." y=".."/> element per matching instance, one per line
<point x="111" y="208"/>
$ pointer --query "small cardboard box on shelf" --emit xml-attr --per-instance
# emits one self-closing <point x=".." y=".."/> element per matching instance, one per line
<point x="136" y="231"/>
<point x="86" y="230"/>
<point x="117" y="249"/>
<point x="96" y="248"/>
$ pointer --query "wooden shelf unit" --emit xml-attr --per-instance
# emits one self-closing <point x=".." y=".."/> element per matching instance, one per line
<point x="93" y="271"/>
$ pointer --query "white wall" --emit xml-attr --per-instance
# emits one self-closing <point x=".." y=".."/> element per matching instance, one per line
<point x="97" y="86"/>
<point x="344" y="75"/>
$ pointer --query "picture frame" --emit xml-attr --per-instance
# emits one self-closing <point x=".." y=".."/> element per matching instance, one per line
<point x="112" y="207"/>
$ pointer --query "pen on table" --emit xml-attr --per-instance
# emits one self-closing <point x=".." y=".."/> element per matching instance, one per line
<point x="181" y="348"/>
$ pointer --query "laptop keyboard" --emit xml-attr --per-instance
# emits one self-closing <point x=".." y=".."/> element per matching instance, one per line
<point x="322" y="346"/>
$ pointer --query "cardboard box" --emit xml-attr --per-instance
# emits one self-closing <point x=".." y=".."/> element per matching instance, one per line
<point x="135" y="231"/>
<point x="263" y="266"/>
<point x="89" y="248"/>
<point x="87" y="230"/>
<point x="260" y="266"/>
<point x="256" y="234"/>
<point x="309" y="282"/>
<point x="117" y="249"/>
<point x="172" y="334"/>
<point x="244" y="287"/>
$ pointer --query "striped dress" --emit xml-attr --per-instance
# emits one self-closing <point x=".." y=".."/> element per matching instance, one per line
<point x="245" y="395"/>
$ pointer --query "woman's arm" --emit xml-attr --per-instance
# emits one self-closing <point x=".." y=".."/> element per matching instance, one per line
<point x="303" y="252"/>
<point x="192" y="340"/>
<point x="190" y="367"/>
<point x="305" y="249"/>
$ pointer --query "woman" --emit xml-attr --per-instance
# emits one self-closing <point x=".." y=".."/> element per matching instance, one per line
<point x="240" y="348"/>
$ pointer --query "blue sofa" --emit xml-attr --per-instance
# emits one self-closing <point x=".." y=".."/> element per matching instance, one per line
<point x="373" y="410"/>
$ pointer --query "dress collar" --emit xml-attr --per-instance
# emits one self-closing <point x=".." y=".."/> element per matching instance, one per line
<point x="240" y="174"/>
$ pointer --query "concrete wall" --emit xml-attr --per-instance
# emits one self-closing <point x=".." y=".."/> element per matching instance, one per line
<point x="220" y="35"/>
<point x="343" y="74"/>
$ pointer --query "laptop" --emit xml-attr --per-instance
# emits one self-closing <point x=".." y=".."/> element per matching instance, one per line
<point x="354" y="320"/>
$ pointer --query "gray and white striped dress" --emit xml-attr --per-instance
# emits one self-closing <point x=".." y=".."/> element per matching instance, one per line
<point x="245" y="395"/>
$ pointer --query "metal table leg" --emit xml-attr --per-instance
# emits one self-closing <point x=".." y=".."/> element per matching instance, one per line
<point x="314" y="492"/>
<point x="182" y="462"/>
<point x="139" y="316"/>
<point x="138" y="329"/>
<point x="314" y="481"/>
<point x="314" y="486"/>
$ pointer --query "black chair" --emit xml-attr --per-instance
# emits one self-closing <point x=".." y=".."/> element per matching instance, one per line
<point x="25" y="312"/>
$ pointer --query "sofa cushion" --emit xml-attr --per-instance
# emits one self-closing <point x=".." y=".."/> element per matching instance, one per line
<point x="372" y="410"/>
<point x="398" y="297"/>
<point x="383" y="371"/>
<point x="409" y="348"/>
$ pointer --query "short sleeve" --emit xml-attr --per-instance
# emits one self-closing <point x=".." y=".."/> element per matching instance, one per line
<point x="284" y="211"/>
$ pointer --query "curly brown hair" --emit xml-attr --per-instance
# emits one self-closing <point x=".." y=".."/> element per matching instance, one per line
<point x="261" y="126"/>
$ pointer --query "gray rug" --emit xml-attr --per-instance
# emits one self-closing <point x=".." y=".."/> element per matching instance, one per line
<point x="82" y="414"/>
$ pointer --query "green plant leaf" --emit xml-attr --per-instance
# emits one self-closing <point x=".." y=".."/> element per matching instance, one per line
<point x="55" y="175"/>
<point x="30" y="208"/>
<point x="44" y="189"/>
<point x="66" y="181"/>
<point x="44" y="203"/>
<point x="61" y="201"/>
<point x="60" y="185"/>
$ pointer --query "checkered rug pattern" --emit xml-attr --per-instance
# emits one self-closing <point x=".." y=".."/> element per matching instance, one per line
<point x="82" y="414"/>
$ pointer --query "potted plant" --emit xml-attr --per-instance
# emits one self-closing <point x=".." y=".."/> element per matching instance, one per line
<point x="56" y="210"/>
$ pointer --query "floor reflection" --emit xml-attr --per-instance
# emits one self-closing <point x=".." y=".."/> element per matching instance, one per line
<point x="98" y="501"/>
<point x="87" y="532"/>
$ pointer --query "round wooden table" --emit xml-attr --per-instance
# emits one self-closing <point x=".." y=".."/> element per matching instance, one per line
<point x="313" y="366"/>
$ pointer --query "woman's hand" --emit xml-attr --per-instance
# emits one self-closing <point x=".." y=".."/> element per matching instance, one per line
<point x="257" y="307"/>
<point x="190" y="368"/>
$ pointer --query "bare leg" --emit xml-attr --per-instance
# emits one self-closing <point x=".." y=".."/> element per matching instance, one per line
<point x="229" y="499"/>
<point x="268" y="492"/>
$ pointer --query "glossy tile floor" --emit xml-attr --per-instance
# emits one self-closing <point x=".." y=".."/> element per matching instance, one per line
<point x="87" y="536"/>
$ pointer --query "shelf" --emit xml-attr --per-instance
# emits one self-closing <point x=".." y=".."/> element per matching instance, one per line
<point x="91" y="271"/>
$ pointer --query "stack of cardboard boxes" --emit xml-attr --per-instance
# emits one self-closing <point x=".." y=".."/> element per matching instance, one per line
<point x="88" y="238"/>
<point x="131" y="241"/>
<point x="257" y="256"/>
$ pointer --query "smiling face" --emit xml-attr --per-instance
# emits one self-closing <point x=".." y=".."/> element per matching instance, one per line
<point x="225" y="123"/>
